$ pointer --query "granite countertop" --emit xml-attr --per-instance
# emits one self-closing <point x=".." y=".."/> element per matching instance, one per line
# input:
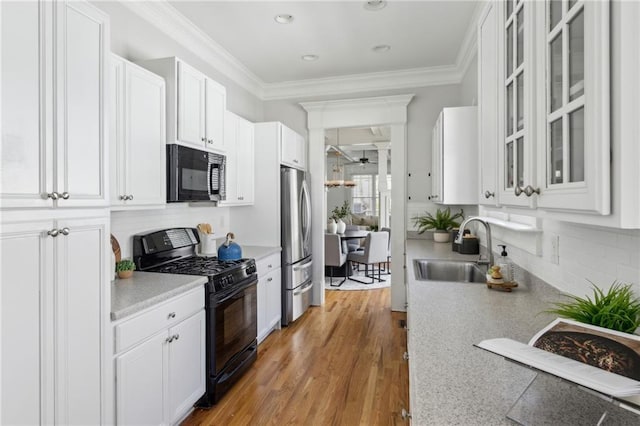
<point x="146" y="289"/>
<point x="259" y="252"/>
<point x="451" y="381"/>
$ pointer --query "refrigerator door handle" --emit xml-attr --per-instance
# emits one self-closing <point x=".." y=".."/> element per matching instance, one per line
<point x="302" y="267"/>
<point x="304" y="289"/>
<point x="306" y="212"/>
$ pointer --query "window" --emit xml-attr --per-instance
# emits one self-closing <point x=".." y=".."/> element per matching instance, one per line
<point x="366" y="196"/>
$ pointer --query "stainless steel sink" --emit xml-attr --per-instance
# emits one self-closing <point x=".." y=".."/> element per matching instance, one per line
<point x="448" y="270"/>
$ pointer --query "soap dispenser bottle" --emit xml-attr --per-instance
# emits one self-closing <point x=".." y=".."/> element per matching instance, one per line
<point x="506" y="266"/>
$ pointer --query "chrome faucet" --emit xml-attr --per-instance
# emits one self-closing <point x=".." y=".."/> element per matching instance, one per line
<point x="460" y="235"/>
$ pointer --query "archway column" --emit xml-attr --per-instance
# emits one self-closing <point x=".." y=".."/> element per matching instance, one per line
<point x="379" y="111"/>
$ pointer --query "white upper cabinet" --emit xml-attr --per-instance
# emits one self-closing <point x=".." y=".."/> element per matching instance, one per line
<point x="293" y="149"/>
<point x="488" y="105"/>
<point x="239" y="143"/>
<point x="137" y="134"/>
<point x="554" y="109"/>
<point x="195" y="105"/>
<point x="53" y="87"/>
<point x="454" y="145"/>
<point x="573" y="101"/>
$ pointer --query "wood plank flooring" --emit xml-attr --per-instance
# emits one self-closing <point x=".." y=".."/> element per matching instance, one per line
<point x="340" y="364"/>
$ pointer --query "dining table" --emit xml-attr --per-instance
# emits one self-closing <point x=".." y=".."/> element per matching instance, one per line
<point x="344" y="270"/>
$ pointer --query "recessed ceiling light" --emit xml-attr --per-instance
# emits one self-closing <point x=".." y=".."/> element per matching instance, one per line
<point x="310" y="58"/>
<point x="375" y="4"/>
<point x="381" y="48"/>
<point x="283" y="18"/>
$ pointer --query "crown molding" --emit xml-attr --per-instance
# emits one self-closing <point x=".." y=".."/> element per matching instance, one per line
<point x="170" y="21"/>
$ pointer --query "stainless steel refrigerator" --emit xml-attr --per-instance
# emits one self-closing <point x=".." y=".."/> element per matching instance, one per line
<point x="297" y="262"/>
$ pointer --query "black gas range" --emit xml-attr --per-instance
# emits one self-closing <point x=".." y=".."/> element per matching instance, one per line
<point x="230" y="301"/>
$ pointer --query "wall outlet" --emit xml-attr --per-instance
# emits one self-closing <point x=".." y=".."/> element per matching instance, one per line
<point x="555" y="250"/>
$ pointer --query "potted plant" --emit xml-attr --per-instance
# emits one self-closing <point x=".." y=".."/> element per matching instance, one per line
<point x="617" y="309"/>
<point x="339" y="213"/>
<point x="125" y="268"/>
<point x="442" y="222"/>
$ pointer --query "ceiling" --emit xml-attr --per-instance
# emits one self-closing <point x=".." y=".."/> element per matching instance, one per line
<point x="422" y="35"/>
<point x="355" y="143"/>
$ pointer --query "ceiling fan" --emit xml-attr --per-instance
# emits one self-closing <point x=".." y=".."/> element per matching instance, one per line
<point x="363" y="160"/>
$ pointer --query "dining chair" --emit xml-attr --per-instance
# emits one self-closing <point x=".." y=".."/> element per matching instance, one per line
<point x="333" y="256"/>
<point x="388" y="263"/>
<point x="376" y="247"/>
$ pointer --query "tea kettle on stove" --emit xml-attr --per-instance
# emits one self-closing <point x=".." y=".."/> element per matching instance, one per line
<point x="229" y="250"/>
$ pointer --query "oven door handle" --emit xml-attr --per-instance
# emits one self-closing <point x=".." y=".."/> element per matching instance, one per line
<point x="304" y="289"/>
<point x="237" y="294"/>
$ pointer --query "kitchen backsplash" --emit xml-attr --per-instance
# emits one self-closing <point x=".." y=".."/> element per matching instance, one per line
<point x="125" y="224"/>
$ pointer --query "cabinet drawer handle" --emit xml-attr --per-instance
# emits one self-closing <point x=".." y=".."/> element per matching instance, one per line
<point x="171" y="315"/>
<point x="488" y="194"/>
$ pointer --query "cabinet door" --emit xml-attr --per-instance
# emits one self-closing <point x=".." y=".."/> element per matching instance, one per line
<point x="80" y="319"/>
<point x="26" y="294"/>
<point x="488" y="105"/>
<point x="516" y="149"/>
<point x="301" y="151"/>
<point x="187" y="365"/>
<point x="574" y="94"/>
<point x="262" y="305"/>
<point x="191" y="108"/>
<point x="215" y="108"/>
<point x="245" y="158"/>
<point x="26" y="158"/>
<point x="230" y="137"/>
<point x="82" y="55"/>
<point x="145" y="137"/>
<point x="117" y="154"/>
<point x="142" y="383"/>
<point x="436" y="161"/>
<point x="289" y="150"/>
<point x="274" y="299"/>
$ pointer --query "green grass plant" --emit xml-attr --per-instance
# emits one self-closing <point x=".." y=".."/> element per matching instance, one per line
<point x="443" y="220"/>
<point x="617" y="309"/>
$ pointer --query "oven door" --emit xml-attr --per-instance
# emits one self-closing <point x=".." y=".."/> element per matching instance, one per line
<point x="235" y="323"/>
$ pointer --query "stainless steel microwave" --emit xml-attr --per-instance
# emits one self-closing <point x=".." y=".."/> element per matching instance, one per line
<point x="194" y="175"/>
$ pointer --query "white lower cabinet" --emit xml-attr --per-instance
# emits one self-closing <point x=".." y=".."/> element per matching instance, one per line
<point x="161" y="375"/>
<point x="54" y="302"/>
<point x="269" y="295"/>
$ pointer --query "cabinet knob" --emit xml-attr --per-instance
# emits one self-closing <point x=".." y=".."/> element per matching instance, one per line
<point x="405" y="356"/>
<point x="203" y="139"/>
<point x="64" y="231"/>
<point x="517" y="190"/>
<point x="53" y="195"/>
<point x="169" y="339"/>
<point x="405" y="414"/>
<point x="131" y="197"/>
<point x="241" y="198"/>
<point x="176" y="336"/>
<point x="65" y="195"/>
<point x="295" y="161"/>
<point x="171" y="315"/>
<point x="530" y="190"/>
<point x="210" y="141"/>
<point x="488" y="194"/>
<point x="270" y="279"/>
<point x="53" y="233"/>
<point x="269" y="266"/>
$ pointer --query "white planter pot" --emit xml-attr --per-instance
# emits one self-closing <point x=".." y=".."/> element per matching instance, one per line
<point x="332" y="227"/>
<point x="441" y="236"/>
<point x="341" y="226"/>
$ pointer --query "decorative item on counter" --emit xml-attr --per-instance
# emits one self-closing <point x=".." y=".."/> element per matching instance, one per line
<point x="505" y="264"/>
<point x="208" y="242"/>
<point x="332" y="226"/>
<point x="229" y="250"/>
<point x="442" y="223"/>
<point x="617" y="309"/>
<point x="496" y="279"/>
<point x="125" y="268"/>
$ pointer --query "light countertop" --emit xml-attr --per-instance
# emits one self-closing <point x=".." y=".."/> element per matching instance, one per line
<point x="146" y="289"/>
<point x="451" y="381"/>
<point x="259" y="252"/>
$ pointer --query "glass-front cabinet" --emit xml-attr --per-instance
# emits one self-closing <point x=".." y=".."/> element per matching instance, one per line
<point x="516" y="151"/>
<point x="553" y="108"/>
<point x="574" y="151"/>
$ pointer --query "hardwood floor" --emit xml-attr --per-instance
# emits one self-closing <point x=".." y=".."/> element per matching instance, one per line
<point x="340" y="364"/>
